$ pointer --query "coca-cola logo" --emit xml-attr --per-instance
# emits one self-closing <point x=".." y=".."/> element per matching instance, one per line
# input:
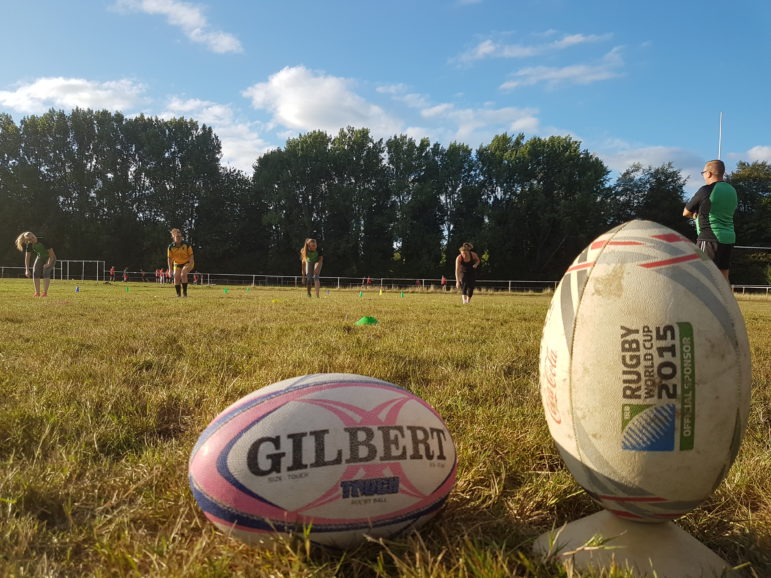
<point x="550" y="388"/>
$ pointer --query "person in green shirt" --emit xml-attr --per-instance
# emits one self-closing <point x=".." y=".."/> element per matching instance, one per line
<point x="713" y="207"/>
<point x="312" y="258"/>
<point x="45" y="259"/>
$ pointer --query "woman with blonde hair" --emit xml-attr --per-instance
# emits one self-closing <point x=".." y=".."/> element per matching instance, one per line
<point x="311" y="258"/>
<point x="466" y="271"/>
<point x="179" y="257"/>
<point x="45" y="259"/>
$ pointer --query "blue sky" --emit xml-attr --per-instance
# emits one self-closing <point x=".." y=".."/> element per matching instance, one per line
<point x="633" y="81"/>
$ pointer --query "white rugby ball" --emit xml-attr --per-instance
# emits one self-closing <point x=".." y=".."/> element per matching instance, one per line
<point x="339" y="455"/>
<point x="645" y="372"/>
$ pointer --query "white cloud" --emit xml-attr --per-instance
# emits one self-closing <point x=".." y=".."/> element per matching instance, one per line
<point x="301" y="99"/>
<point x="688" y="162"/>
<point x="577" y="39"/>
<point x="438" y="110"/>
<point x="68" y="93"/>
<point x="189" y="18"/>
<point x="758" y="154"/>
<point x="400" y="93"/>
<point x="654" y="156"/>
<point x="608" y="67"/>
<point x="489" y="48"/>
<point x="394" y="89"/>
<point x="241" y="141"/>
<point x="474" y="126"/>
<point x="445" y="122"/>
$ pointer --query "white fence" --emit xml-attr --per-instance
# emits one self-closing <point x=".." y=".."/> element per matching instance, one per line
<point x="94" y="271"/>
<point x="377" y="283"/>
<point x="82" y="270"/>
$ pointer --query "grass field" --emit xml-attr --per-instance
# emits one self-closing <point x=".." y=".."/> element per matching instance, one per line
<point x="103" y="393"/>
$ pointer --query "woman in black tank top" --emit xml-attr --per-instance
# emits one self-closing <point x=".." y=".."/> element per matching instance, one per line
<point x="466" y="271"/>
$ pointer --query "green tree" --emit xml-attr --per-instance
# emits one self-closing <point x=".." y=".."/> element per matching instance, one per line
<point x="546" y="203"/>
<point x="413" y="170"/>
<point x="294" y="182"/>
<point x="42" y="175"/>
<point x="499" y="188"/>
<point x="561" y="202"/>
<point x="463" y="205"/>
<point x="229" y="233"/>
<point x="359" y="219"/>
<point x="655" y="194"/>
<point x="16" y="209"/>
<point x="752" y="221"/>
<point x="752" y="182"/>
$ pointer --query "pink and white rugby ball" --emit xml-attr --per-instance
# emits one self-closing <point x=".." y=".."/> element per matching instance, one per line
<point x="645" y="372"/>
<point x="343" y="455"/>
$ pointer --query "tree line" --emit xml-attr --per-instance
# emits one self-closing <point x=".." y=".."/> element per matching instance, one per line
<point x="110" y="187"/>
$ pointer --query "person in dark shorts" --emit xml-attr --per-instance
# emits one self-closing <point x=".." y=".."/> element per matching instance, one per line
<point x="466" y="271"/>
<point x="45" y="259"/>
<point x="312" y="259"/>
<point x="713" y="207"/>
<point x="180" y="260"/>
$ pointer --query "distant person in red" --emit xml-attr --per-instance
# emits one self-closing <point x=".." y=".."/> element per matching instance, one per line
<point x="125" y="274"/>
<point x="112" y="273"/>
<point x="157" y="275"/>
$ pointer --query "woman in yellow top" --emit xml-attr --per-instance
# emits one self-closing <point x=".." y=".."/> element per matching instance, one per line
<point x="180" y="257"/>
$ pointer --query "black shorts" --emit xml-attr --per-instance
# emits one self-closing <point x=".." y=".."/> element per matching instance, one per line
<point x="720" y="253"/>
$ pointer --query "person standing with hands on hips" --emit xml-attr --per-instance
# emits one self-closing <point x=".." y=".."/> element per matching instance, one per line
<point x="45" y="259"/>
<point x="312" y="259"/>
<point x="713" y="206"/>
<point x="180" y="257"/>
<point x="466" y="271"/>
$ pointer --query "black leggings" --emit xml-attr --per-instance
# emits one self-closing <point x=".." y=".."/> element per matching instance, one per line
<point x="467" y="284"/>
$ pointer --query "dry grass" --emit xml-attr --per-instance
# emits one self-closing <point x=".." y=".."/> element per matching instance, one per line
<point x="104" y="392"/>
